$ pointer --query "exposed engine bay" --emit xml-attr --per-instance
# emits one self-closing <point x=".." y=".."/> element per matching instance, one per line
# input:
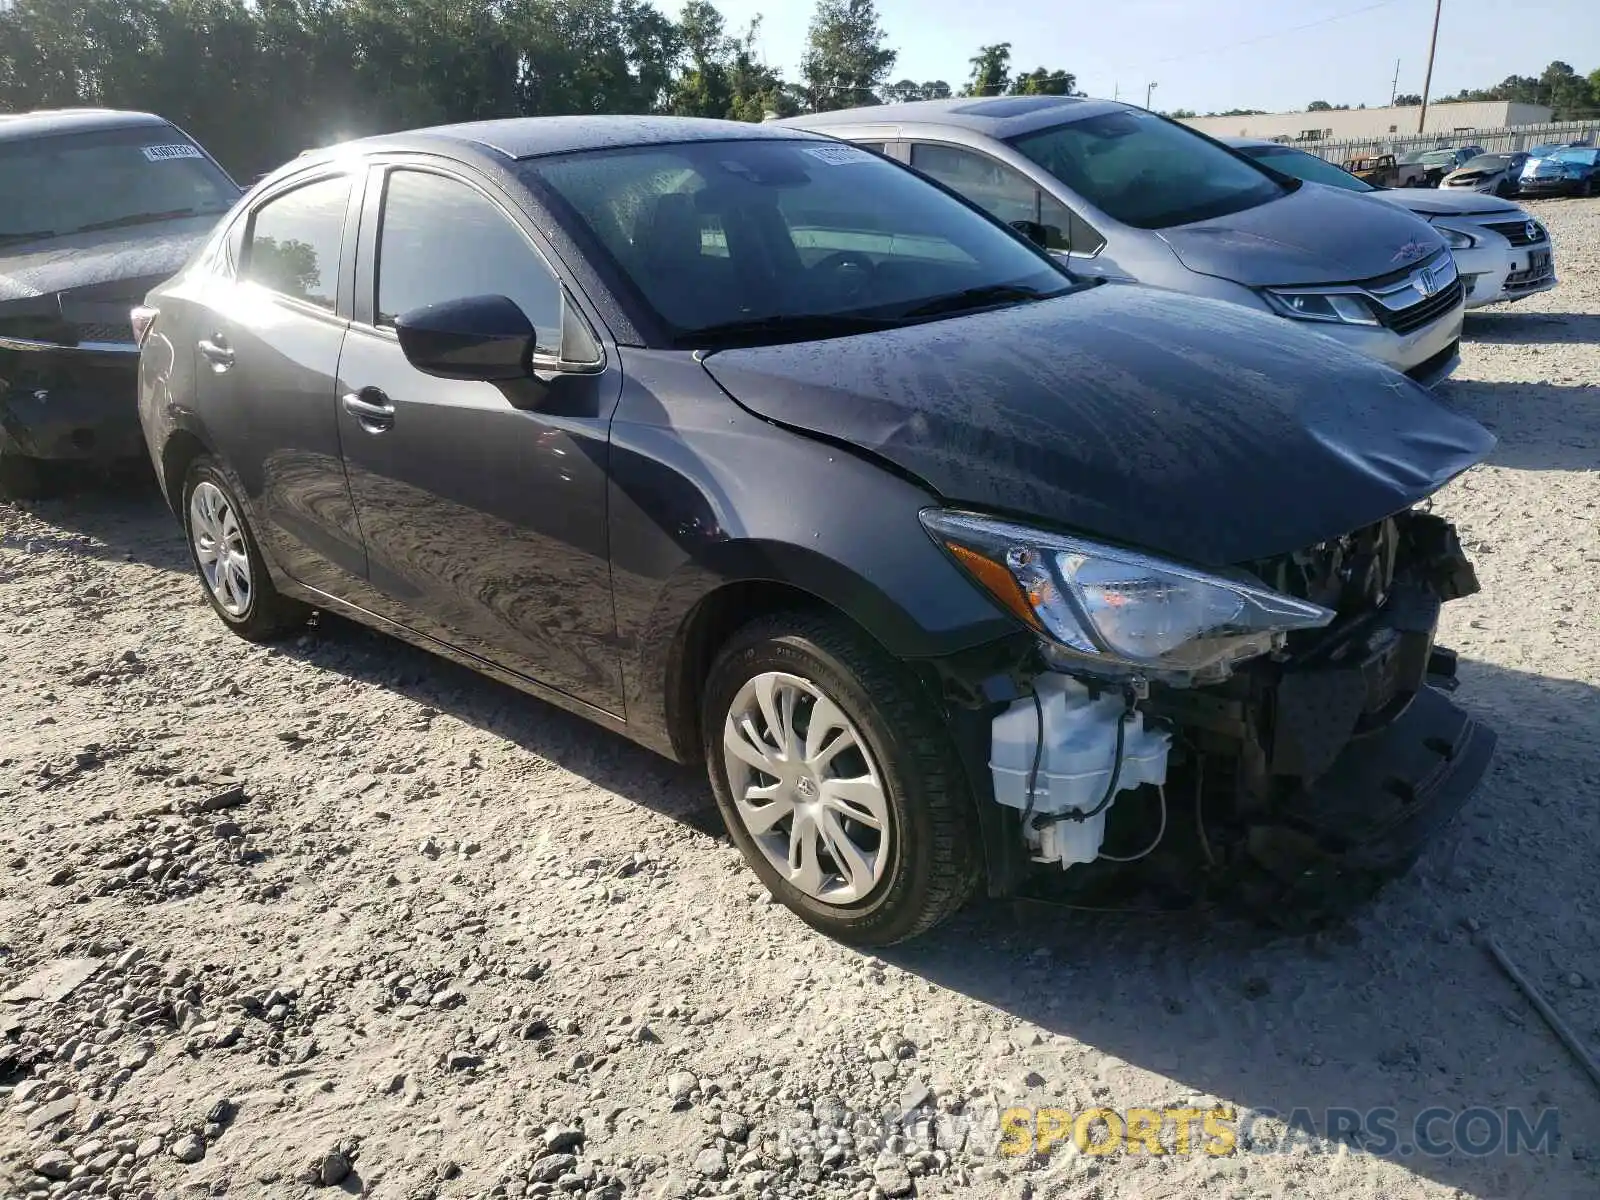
<point x="1305" y="774"/>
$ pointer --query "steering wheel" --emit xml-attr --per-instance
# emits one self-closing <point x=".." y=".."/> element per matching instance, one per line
<point x="852" y="269"/>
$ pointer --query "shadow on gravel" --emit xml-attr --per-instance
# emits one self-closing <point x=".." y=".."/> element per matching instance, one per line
<point x="604" y="758"/>
<point x="1517" y="329"/>
<point x="1398" y="1009"/>
<point x="1541" y="426"/>
<point x="117" y="515"/>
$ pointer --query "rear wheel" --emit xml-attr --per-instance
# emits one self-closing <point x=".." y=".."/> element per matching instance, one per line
<point x="835" y="778"/>
<point x="229" y="562"/>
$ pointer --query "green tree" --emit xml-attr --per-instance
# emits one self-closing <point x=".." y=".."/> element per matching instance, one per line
<point x="847" y="58"/>
<point x="1040" y="82"/>
<point x="1408" y="99"/>
<point x="1319" y="106"/>
<point x="991" y="71"/>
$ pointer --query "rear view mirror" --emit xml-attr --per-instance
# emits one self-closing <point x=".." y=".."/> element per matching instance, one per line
<point x="484" y="338"/>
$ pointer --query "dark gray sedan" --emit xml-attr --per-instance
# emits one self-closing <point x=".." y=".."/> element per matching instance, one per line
<point x="763" y="450"/>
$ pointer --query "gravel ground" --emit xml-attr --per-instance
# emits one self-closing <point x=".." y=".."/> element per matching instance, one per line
<point x="339" y="915"/>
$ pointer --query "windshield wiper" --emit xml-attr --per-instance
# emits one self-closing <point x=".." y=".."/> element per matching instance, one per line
<point x="146" y="218"/>
<point x="798" y="327"/>
<point x="981" y="297"/>
<point x="27" y="235"/>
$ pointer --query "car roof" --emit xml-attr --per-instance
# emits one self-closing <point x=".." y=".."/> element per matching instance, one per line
<point x="47" y="122"/>
<point x="1239" y="143"/>
<point x="991" y="116"/>
<point x="534" y="137"/>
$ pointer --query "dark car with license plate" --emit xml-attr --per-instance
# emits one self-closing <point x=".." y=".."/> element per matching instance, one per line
<point x="96" y="207"/>
<point x="957" y="571"/>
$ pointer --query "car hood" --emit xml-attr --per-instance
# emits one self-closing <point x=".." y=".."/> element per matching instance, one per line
<point x="1315" y="234"/>
<point x="1430" y="202"/>
<point x="136" y="254"/>
<point x="1188" y="427"/>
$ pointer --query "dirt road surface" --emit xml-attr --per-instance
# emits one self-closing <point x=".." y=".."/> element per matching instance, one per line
<point x="336" y="915"/>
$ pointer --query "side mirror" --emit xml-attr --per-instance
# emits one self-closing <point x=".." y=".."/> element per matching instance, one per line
<point x="1033" y="231"/>
<point x="485" y="338"/>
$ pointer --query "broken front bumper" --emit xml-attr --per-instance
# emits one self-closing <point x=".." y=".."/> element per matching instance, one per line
<point x="1383" y="799"/>
<point x="64" y="402"/>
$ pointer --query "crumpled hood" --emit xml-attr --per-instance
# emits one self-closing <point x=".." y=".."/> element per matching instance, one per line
<point x="1193" y="428"/>
<point x="1432" y="202"/>
<point x="1315" y="234"/>
<point x="141" y="252"/>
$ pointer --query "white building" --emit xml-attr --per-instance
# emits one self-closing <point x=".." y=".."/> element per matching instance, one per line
<point x="1339" y="124"/>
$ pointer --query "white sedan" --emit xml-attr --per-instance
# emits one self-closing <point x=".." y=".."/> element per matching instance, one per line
<point x="1501" y="252"/>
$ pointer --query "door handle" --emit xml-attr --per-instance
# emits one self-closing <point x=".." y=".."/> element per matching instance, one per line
<point x="372" y="410"/>
<point x="217" y="352"/>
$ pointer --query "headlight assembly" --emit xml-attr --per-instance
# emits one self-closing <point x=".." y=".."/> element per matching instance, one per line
<point x="1344" y="308"/>
<point x="1456" y="239"/>
<point x="1118" y="612"/>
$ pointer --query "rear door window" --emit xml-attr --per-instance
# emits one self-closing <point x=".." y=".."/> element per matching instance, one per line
<point x="296" y="239"/>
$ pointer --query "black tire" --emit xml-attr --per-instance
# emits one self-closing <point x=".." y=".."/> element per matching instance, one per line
<point x="23" y="478"/>
<point x="269" y="614"/>
<point x="935" y="857"/>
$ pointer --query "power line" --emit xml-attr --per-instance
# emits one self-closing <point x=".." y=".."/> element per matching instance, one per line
<point x="1263" y="37"/>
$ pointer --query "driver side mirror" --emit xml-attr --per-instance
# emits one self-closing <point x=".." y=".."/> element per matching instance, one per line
<point x="483" y="338"/>
<point x="1034" y="232"/>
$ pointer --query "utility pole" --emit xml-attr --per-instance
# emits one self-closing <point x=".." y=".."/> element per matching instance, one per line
<point x="1427" y="80"/>
<point x="1395" y="90"/>
<point x="1147" y="92"/>
<point x="1116" y="90"/>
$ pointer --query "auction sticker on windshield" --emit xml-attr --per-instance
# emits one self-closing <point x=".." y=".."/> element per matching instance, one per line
<point x="839" y="156"/>
<point x="163" y="153"/>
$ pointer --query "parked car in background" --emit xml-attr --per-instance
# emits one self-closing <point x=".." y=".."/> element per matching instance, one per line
<point x="1500" y="250"/>
<point x="1497" y="174"/>
<point x="1571" y="171"/>
<point x="763" y="450"/>
<point x="1397" y="171"/>
<point x="1121" y="193"/>
<point x="1436" y="164"/>
<point x="96" y="207"/>
<point x="1380" y="170"/>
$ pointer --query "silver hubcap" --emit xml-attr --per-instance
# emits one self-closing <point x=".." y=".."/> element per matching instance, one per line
<point x="807" y="789"/>
<point x="219" y="548"/>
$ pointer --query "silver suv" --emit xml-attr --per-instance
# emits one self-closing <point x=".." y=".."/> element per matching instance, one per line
<point x="1123" y="193"/>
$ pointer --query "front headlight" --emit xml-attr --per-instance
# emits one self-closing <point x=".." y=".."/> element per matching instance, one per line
<point x="1343" y="308"/>
<point x="1118" y="612"/>
<point x="1455" y="239"/>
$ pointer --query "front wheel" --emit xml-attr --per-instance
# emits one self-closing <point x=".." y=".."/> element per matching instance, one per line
<point x="225" y="554"/>
<point x="834" y="775"/>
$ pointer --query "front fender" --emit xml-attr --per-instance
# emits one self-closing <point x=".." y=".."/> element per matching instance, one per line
<point x="707" y="499"/>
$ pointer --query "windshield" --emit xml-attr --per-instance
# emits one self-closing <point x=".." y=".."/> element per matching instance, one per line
<point x="767" y="240"/>
<point x="1439" y="158"/>
<point x="74" y="183"/>
<point x="1148" y="172"/>
<point x="1583" y="157"/>
<point x="1306" y="166"/>
<point x="1412" y="156"/>
<point x="1487" y="162"/>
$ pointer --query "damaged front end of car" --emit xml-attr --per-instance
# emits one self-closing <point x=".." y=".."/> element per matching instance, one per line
<point x="1278" y="735"/>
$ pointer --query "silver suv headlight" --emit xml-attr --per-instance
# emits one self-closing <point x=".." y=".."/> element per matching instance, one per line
<point x="1342" y="307"/>
<point x="1117" y="611"/>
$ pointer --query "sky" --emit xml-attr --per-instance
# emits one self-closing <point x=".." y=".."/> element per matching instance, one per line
<point x="1210" y="55"/>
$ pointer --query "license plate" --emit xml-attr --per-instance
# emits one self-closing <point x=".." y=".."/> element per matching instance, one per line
<point x="1539" y="262"/>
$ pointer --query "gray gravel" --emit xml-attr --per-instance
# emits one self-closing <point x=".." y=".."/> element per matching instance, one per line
<point x="445" y="941"/>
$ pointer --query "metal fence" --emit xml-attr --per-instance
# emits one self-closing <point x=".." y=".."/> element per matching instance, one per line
<point x="1495" y="141"/>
